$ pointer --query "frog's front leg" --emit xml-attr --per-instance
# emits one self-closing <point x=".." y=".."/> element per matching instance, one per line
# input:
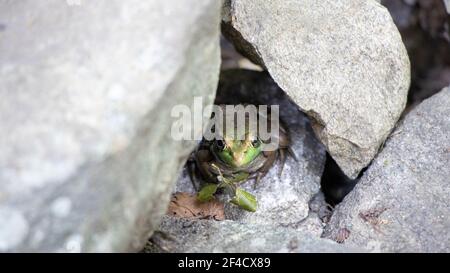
<point x="239" y="177"/>
<point x="203" y="159"/>
<point x="285" y="147"/>
<point x="270" y="158"/>
<point x="191" y="168"/>
<point x="285" y="144"/>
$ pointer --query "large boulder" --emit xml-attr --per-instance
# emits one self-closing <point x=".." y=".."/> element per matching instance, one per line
<point x="402" y="203"/>
<point x="343" y="62"/>
<point x="86" y="158"/>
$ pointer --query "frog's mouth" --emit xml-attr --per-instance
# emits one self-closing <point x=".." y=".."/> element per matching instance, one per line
<point x="250" y="166"/>
<point x="234" y="160"/>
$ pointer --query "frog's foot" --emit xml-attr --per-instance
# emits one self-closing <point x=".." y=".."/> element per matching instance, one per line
<point x="192" y="172"/>
<point x="271" y="158"/>
<point x="292" y="154"/>
<point x="283" y="161"/>
<point x="283" y="158"/>
<point x="261" y="173"/>
<point x="256" y="178"/>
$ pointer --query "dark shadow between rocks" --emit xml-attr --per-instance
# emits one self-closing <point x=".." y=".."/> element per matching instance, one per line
<point x="334" y="183"/>
<point x="425" y="29"/>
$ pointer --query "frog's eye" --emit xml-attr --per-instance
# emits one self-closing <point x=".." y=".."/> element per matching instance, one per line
<point x="220" y="144"/>
<point x="255" y="143"/>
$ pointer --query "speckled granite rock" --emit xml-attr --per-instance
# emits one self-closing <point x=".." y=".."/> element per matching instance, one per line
<point x="343" y="62"/>
<point x="402" y="203"/>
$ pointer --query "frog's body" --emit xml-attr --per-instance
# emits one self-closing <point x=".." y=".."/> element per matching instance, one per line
<point x="241" y="159"/>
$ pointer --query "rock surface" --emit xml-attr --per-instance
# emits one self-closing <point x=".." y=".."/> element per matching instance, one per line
<point x="282" y="200"/>
<point x="342" y="62"/>
<point x="86" y="158"/>
<point x="184" y="235"/>
<point x="402" y="203"/>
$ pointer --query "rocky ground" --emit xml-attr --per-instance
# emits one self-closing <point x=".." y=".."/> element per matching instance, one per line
<point x="87" y="161"/>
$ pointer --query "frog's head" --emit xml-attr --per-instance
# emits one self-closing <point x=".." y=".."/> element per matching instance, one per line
<point x="237" y="153"/>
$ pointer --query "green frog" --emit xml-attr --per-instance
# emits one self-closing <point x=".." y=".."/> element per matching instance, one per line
<point x="228" y="161"/>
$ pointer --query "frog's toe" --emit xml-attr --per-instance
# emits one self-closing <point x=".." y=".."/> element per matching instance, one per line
<point x="292" y="154"/>
<point x="283" y="161"/>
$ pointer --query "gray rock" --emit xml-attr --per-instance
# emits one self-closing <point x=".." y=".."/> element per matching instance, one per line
<point x="282" y="200"/>
<point x="86" y="158"/>
<point x="342" y="62"/>
<point x="447" y="5"/>
<point x="402" y="203"/>
<point x="182" y="235"/>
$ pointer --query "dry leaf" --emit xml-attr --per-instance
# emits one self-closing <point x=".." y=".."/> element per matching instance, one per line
<point x="342" y="235"/>
<point x="372" y="217"/>
<point x="186" y="205"/>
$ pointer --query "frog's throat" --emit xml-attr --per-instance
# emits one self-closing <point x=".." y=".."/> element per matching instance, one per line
<point x="252" y="166"/>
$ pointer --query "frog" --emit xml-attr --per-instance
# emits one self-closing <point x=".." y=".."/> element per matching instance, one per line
<point x="228" y="161"/>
